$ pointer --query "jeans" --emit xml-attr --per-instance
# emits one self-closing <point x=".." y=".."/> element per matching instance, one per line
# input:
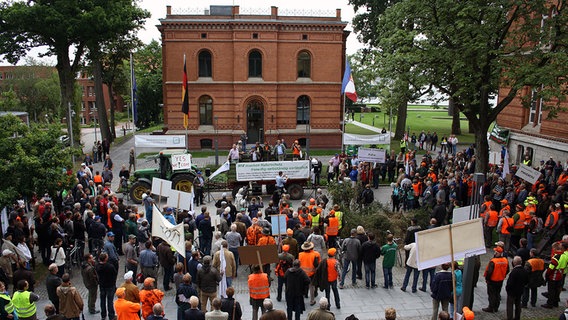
<point x="281" y="282"/>
<point x="332" y="286"/>
<point x="168" y="276"/>
<point x="387" y="272"/>
<point x="236" y="255"/>
<point x="409" y="270"/>
<point x="457" y="306"/>
<point x="425" y="273"/>
<point x="353" y="271"/>
<point x="530" y="240"/>
<point x="370" y="273"/>
<point x="205" y="245"/>
<point x="107" y="296"/>
<point x="229" y="281"/>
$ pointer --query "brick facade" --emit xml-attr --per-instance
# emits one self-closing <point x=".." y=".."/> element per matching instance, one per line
<point x="264" y="106"/>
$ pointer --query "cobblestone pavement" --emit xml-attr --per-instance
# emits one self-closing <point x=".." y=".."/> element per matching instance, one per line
<point x="364" y="303"/>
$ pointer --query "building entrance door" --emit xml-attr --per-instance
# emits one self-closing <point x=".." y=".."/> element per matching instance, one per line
<point x="255" y="122"/>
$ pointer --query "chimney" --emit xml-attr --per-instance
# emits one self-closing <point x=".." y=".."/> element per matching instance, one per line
<point x="168" y="10"/>
<point x="338" y="13"/>
<point x="235" y="10"/>
<point x="273" y="12"/>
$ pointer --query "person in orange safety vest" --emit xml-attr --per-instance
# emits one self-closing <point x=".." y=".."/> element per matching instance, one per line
<point x="259" y="289"/>
<point x="495" y="274"/>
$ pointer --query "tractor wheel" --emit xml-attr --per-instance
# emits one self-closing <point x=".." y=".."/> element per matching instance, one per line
<point x="183" y="182"/>
<point x="296" y="191"/>
<point x="137" y="189"/>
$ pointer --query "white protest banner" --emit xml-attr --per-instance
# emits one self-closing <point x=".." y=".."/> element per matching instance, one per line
<point x="225" y="167"/>
<point x="179" y="199"/>
<point x="173" y="235"/>
<point x="371" y="155"/>
<point x="434" y="246"/>
<point x="161" y="187"/>
<point x="181" y="161"/>
<point x="361" y="139"/>
<point x="255" y="171"/>
<point x="159" y="141"/>
<point x="527" y="173"/>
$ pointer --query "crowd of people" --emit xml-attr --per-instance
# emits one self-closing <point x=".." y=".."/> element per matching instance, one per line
<point x="312" y="257"/>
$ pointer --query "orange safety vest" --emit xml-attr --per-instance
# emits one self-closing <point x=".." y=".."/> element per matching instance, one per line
<point x="149" y="298"/>
<point x="552" y="215"/>
<point x="486" y="206"/>
<point x="253" y="233"/>
<point x="295" y="150"/>
<point x="259" y="287"/>
<point x="500" y="270"/>
<point x="507" y="207"/>
<point x="265" y="240"/>
<point x="331" y="270"/>
<point x="492" y="219"/>
<point x="416" y="187"/>
<point x="520" y="224"/>
<point x="433" y="177"/>
<point x="98" y="179"/>
<point x="507" y="223"/>
<point x="332" y="227"/>
<point x="536" y="264"/>
<point x="307" y="261"/>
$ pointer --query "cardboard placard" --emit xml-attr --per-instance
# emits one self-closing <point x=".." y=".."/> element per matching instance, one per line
<point x="249" y="254"/>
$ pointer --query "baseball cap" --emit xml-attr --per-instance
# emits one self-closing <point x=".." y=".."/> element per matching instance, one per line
<point x="97" y="217"/>
<point x="110" y="234"/>
<point x="6" y="252"/>
<point x="498" y="249"/>
<point x="286" y="247"/>
<point x="132" y="236"/>
<point x="128" y="275"/>
<point x="331" y="252"/>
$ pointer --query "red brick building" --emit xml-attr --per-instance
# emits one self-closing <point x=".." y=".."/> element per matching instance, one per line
<point x="267" y="75"/>
<point x="530" y="130"/>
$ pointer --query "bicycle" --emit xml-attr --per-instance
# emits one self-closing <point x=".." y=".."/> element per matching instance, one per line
<point x="73" y="256"/>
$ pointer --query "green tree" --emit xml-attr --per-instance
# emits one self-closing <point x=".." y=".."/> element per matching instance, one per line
<point x="66" y="28"/>
<point x="148" y="70"/>
<point x="32" y="159"/>
<point x="469" y="49"/>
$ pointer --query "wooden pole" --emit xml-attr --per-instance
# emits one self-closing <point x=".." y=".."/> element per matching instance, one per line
<point x="453" y="273"/>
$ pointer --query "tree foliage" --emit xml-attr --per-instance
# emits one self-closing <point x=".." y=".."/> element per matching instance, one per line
<point x="469" y="49"/>
<point x="32" y="159"/>
<point x="148" y="70"/>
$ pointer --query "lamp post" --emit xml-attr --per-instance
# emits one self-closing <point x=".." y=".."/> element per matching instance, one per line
<point x="71" y="114"/>
<point x="308" y="133"/>
<point x="216" y="140"/>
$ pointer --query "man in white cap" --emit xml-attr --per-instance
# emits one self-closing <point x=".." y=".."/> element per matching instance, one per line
<point x="131" y="292"/>
<point x="6" y="260"/>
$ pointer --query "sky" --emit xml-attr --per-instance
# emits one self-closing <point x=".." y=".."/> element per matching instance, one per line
<point x="157" y="9"/>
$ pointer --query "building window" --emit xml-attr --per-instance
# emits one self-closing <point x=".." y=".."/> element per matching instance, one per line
<point x="255" y="35"/>
<point x="205" y="110"/>
<point x="205" y="68"/>
<point x="304" y="37"/>
<point x="255" y="64"/>
<point x="304" y="64"/>
<point x="204" y="36"/>
<point x="303" y="110"/>
<point x="535" y="116"/>
<point x="206" y="143"/>
<point x="520" y="153"/>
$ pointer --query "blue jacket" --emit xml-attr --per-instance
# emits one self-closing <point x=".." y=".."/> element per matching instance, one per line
<point x="441" y="286"/>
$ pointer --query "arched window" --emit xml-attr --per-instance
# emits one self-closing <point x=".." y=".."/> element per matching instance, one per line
<point x="304" y="65"/>
<point x="255" y="64"/>
<point x="205" y="110"/>
<point x="303" y="110"/>
<point x="205" y="68"/>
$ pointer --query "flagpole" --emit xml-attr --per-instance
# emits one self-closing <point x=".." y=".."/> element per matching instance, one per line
<point x="132" y="105"/>
<point x="343" y="124"/>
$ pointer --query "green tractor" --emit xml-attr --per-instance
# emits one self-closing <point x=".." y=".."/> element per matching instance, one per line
<point x="182" y="180"/>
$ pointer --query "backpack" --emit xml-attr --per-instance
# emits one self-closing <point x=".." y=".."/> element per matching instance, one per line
<point x="282" y="267"/>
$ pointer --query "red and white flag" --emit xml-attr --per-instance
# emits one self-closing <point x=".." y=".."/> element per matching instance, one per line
<point x="348" y="85"/>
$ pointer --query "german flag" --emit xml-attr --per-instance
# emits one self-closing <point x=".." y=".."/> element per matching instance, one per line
<point x="184" y="96"/>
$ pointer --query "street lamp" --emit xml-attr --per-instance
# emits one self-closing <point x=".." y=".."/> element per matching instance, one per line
<point x="308" y="132"/>
<point x="216" y="140"/>
<point x="71" y="114"/>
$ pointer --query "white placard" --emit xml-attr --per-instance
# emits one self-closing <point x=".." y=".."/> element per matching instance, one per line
<point x="173" y="235"/>
<point x="181" y="200"/>
<point x="181" y="161"/>
<point x="161" y="187"/>
<point x="255" y="171"/>
<point x="462" y="214"/>
<point x="278" y="223"/>
<point x="495" y="157"/>
<point x="527" y="173"/>
<point x="371" y="155"/>
<point x="433" y="246"/>
<point x="159" y="141"/>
